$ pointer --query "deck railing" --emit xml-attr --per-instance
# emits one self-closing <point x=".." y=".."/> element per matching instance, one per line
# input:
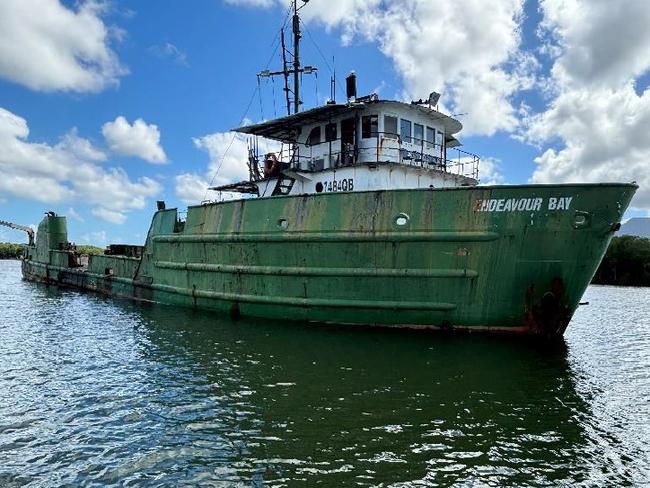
<point x="386" y="148"/>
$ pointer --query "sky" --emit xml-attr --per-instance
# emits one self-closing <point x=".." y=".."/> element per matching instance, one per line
<point x="108" y="106"/>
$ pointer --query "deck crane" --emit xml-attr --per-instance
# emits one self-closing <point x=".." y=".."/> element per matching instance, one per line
<point x="24" y="228"/>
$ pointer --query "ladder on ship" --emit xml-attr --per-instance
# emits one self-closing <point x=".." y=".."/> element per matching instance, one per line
<point x="284" y="185"/>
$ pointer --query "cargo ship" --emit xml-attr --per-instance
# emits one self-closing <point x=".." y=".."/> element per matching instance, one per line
<point x="367" y="214"/>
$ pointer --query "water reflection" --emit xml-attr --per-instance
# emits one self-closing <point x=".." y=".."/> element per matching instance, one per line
<point x="104" y="391"/>
<point x="341" y="404"/>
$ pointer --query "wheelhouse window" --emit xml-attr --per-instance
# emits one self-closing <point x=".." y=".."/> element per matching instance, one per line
<point x="369" y="126"/>
<point x="390" y="126"/>
<point x="418" y="133"/>
<point x="331" y="132"/>
<point x="405" y="130"/>
<point x="440" y="138"/>
<point x="314" y="136"/>
<point x="431" y="137"/>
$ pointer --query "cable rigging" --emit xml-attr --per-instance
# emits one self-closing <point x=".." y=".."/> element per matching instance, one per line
<point x="250" y="103"/>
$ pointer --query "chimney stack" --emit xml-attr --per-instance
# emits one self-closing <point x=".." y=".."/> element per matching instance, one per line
<point x="351" y="87"/>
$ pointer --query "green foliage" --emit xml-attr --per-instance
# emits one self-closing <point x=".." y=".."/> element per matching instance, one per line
<point x="89" y="250"/>
<point x="626" y="263"/>
<point x="9" y="250"/>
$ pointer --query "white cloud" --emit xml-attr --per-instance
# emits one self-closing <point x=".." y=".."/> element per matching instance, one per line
<point x="352" y="15"/>
<point x="66" y="172"/>
<point x="80" y="147"/>
<point x="38" y="188"/>
<point x="109" y="215"/>
<point x="112" y="190"/>
<point x="599" y="42"/>
<point x="490" y="172"/>
<point x="191" y="188"/>
<point x="604" y="138"/>
<point x="47" y="46"/>
<point x="138" y="139"/>
<point x="595" y="116"/>
<point x="169" y="51"/>
<point x="72" y="213"/>
<point x="228" y="153"/>
<point x="463" y="49"/>
<point x="95" y="238"/>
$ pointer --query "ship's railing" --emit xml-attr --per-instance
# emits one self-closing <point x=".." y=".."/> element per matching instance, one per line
<point x="288" y="156"/>
<point x="463" y="163"/>
<point x="384" y="148"/>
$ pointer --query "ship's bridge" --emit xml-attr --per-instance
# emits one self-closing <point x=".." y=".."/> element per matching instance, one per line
<point x="365" y="132"/>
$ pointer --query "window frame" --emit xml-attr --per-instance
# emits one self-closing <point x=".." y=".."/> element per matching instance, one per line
<point x="387" y="133"/>
<point x="369" y="134"/>
<point x="441" y="143"/>
<point x="328" y="131"/>
<point x="402" y="125"/>
<point x="418" y="140"/>
<point x="431" y="143"/>
<point x="309" y="141"/>
<point x="440" y="138"/>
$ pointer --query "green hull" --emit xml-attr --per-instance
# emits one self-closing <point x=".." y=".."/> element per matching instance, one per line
<point x="498" y="258"/>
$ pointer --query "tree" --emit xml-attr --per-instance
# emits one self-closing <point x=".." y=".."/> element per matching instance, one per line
<point x="9" y="250"/>
<point x="626" y="262"/>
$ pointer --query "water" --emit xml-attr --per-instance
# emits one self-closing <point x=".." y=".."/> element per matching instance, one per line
<point x="95" y="391"/>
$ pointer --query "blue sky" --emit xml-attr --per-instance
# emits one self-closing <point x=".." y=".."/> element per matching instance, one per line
<point x="76" y="76"/>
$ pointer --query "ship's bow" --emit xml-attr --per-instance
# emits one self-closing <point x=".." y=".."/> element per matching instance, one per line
<point x="551" y="241"/>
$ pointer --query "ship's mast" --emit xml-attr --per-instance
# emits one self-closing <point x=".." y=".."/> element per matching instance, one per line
<point x="285" y="69"/>
<point x="296" y="58"/>
<point x="296" y="70"/>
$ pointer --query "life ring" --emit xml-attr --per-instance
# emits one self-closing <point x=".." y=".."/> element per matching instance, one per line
<point x="271" y="165"/>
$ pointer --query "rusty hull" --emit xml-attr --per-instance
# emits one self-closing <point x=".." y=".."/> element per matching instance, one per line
<point x="442" y="258"/>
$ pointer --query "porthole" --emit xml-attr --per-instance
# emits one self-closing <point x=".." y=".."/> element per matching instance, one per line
<point x="402" y="219"/>
<point x="283" y="224"/>
<point x="319" y="187"/>
<point x="581" y="220"/>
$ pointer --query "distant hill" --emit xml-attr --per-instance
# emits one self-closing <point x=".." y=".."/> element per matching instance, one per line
<point x="638" y="226"/>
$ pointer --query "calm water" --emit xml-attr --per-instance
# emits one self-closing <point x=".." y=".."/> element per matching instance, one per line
<point x="97" y="392"/>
